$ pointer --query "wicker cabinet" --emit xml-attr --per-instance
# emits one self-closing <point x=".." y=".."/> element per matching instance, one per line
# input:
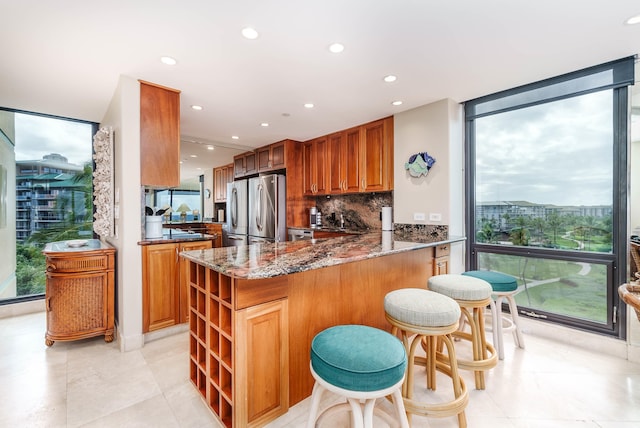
<point x="79" y="296"/>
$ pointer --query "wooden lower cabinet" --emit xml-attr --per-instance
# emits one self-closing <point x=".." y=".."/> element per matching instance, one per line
<point x="262" y="331"/>
<point x="441" y="260"/>
<point x="79" y="294"/>
<point x="164" y="284"/>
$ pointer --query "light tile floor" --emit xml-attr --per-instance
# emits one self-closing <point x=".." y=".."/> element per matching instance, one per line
<point x="90" y="383"/>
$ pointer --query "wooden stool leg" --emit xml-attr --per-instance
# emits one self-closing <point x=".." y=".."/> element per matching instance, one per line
<point x="455" y="377"/>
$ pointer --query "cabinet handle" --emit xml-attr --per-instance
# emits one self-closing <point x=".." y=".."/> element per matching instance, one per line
<point x="177" y="258"/>
<point x="51" y="267"/>
<point x="48" y="304"/>
<point x="363" y="186"/>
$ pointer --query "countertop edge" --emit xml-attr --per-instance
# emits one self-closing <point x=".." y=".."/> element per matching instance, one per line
<point x="330" y="259"/>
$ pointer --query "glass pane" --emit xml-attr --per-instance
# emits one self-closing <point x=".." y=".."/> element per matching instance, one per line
<point x="573" y="289"/>
<point x="544" y="175"/>
<point x="53" y="194"/>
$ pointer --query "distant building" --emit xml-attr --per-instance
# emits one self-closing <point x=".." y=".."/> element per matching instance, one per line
<point x="503" y="214"/>
<point x="41" y="187"/>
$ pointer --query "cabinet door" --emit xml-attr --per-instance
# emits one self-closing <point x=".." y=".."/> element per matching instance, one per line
<point x="377" y="156"/>
<point x="336" y="156"/>
<point x="251" y="166"/>
<point x="160" y="293"/>
<point x="262" y="363"/>
<point x="264" y="159"/>
<point x="159" y="136"/>
<point x="239" y="167"/>
<point x="351" y="153"/>
<point x="278" y="159"/>
<point x="184" y="279"/>
<point x="308" y="176"/>
<point x="219" y="182"/>
<point x="321" y="150"/>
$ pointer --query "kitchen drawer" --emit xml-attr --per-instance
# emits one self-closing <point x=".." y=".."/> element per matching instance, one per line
<point x="77" y="264"/>
<point x="442" y="250"/>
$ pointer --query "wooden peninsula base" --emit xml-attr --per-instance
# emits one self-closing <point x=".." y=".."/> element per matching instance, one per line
<point x="250" y="338"/>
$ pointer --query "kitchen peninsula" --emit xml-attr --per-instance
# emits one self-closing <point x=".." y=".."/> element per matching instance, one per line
<point x="255" y="309"/>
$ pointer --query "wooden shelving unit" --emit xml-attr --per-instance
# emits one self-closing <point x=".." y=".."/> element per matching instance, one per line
<point x="211" y="339"/>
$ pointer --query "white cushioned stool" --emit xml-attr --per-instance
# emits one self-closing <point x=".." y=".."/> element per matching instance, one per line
<point x="432" y="317"/>
<point x="359" y="363"/>
<point x="471" y="294"/>
<point x="504" y="287"/>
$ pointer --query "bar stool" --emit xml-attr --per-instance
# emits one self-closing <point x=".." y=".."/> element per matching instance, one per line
<point x="504" y="287"/>
<point x="472" y="294"/>
<point x="431" y="317"/>
<point x="359" y="363"/>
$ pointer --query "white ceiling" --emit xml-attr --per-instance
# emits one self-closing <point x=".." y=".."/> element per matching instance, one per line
<point x="64" y="58"/>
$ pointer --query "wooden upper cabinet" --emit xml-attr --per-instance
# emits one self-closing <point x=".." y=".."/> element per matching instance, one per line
<point x="315" y="159"/>
<point x="245" y="164"/>
<point x="221" y="176"/>
<point x="376" y="156"/>
<point x="344" y="161"/>
<point x="159" y="136"/>
<point x="272" y="157"/>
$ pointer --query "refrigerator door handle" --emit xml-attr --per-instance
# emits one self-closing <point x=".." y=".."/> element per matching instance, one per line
<point x="234" y="207"/>
<point x="260" y="207"/>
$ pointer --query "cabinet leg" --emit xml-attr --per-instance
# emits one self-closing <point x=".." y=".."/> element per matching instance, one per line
<point x="48" y="342"/>
<point x="108" y="337"/>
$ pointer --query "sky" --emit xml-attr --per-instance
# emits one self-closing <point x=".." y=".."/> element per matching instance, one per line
<point x="37" y="136"/>
<point x="557" y="153"/>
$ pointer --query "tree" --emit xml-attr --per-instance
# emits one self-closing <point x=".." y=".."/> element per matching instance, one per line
<point x="519" y="235"/>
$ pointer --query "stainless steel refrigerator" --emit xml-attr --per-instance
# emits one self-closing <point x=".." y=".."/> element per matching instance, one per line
<point x="267" y="209"/>
<point x="235" y="231"/>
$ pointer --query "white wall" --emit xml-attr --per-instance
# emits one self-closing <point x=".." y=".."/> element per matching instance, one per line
<point x="123" y="115"/>
<point x="437" y="129"/>
<point x="8" y="207"/>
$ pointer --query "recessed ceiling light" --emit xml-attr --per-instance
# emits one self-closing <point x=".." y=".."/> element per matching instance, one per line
<point x="396" y="103"/>
<point x="180" y="162"/>
<point x="168" y="60"/>
<point x="250" y="33"/>
<point x="308" y="105"/>
<point x="390" y="78"/>
<point x="633" y="20"/>
<point x="235" y="137"/>
<point x="336" y="48"/>
<point x="210" y="147"/>
<point x="265" y="124"/>
<point x="196" y="107"/>
<point x="198" y="168"/>
<point x="194" y="156"/>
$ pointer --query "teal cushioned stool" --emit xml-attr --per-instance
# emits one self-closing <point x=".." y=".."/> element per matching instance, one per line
<point x="359" y="363"/>
<point x="504" y="287"/>
<point x="428" y="318"/>
<point x="473" y="295"/>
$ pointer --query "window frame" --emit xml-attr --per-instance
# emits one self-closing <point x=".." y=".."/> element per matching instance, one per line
<point x="616" y="261"/>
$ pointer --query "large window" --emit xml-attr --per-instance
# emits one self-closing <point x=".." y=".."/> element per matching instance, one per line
<point x="51" y="162"/>
<point x="546" y="192"/>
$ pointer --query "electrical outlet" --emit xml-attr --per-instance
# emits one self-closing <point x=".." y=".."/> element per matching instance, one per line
<point x="418" y="216"/>
<point x="435" y="217"/>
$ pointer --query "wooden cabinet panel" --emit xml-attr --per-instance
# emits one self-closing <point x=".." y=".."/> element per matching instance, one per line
<point x="221" y="177"/>
<point x="245" y="164"/>
<point x="160" y="295"/>
<point x="272" y="157"/>
<point x="159" y="136"/>
<point x="215" y="228"/>
<point x="262" y="361"/>
<point x="344" y="161"/>
<point x="441" y="260"/>
<point x="377" y="156"/>
<point x="164" y="293"/>
<point x="315" y="159"/>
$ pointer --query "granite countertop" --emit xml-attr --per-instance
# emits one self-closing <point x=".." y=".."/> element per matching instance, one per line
<point x="274" y="259"/>
<point x="331" y="229"/>
<point x="176" y="235"/>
